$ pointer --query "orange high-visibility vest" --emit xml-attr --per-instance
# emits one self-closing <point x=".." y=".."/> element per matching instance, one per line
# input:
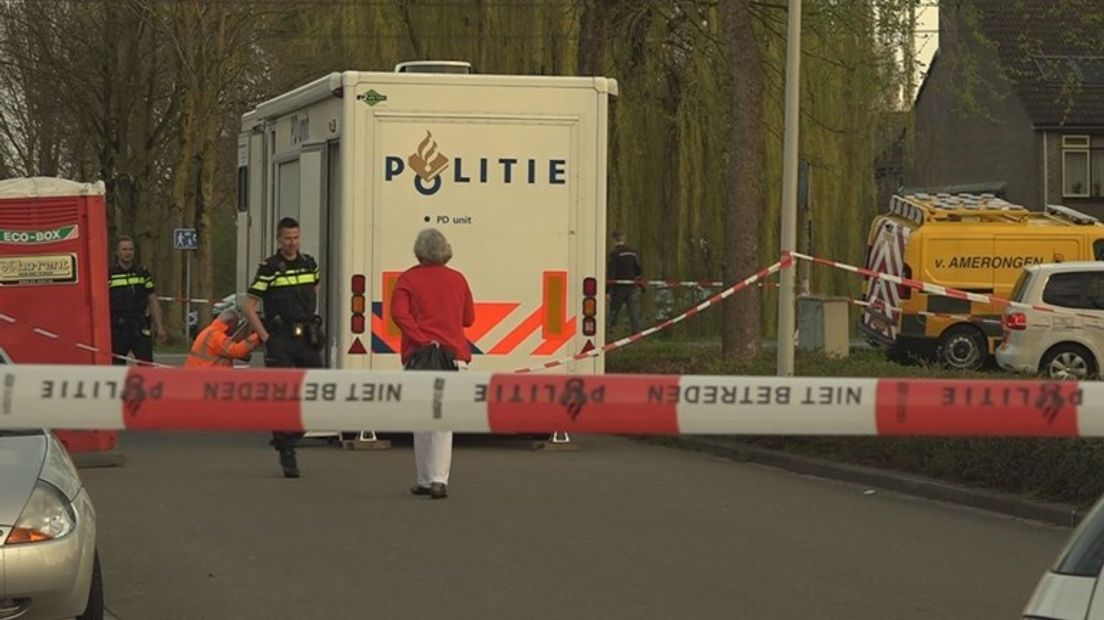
<point x="214" y="348"/>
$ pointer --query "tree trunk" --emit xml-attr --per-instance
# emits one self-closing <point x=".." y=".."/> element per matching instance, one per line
<point x="408" y="23"/>
<point x="743" y="207"/>
<point x="204" y="267"/>
<point x="182" y="189"/>
<point x="593" y="26"/>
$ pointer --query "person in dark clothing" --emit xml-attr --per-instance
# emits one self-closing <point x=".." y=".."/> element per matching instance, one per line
<point x="133" y="306"/>
<point x="287" y="285"/>
<point x="624" y="264"/>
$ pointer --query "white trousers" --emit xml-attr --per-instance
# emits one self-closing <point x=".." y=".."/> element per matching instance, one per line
<point x="433" y="456"/>
<point x="433" y="452"/>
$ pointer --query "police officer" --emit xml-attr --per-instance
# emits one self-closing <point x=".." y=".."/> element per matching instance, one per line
<point x="133" y="306"/>
<point x="287" y="284"/>
<point x="624" y="264"/>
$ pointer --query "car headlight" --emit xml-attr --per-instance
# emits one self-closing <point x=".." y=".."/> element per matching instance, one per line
<point x="47" y="516"/>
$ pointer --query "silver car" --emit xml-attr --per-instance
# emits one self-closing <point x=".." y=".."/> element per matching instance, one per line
<point x="48" y="562"/>
<point x="1058" y="345"/>
<point x="1070" y="590"/>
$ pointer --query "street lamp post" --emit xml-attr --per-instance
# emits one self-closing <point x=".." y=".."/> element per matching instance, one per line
<point x="788" y="238"/>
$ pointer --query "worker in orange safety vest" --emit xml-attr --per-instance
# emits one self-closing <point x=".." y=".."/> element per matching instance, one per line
<point x="215" y="346"/>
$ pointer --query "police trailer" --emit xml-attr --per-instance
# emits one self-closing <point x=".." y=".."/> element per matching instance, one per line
<point x="512" y="169"/>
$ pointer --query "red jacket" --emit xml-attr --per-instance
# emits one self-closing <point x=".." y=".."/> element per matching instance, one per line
<point x="213" y="348"/>
<point x="433" y="303"/>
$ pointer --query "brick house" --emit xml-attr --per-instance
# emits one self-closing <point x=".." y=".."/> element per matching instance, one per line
<point x="1013" y="103"/>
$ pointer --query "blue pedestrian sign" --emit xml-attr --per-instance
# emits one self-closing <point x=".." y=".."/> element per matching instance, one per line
<point x="185" y="239"/>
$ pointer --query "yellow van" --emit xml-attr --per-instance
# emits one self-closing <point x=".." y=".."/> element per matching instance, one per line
<point x="974" y="243"/>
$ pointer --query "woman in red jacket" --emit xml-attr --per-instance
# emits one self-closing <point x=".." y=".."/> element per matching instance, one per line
<point x="432" y="304"/>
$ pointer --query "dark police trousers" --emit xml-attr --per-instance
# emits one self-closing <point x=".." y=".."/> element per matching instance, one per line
<point x="283" y="350"/>
<point x="130" y="335"/>
<point x="628" y="295"/>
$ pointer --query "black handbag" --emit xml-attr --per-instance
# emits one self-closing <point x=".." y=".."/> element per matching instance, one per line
<point x="432" y="357"/>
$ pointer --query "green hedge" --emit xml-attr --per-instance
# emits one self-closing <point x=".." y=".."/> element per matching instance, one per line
<point x="1065" y="470"/>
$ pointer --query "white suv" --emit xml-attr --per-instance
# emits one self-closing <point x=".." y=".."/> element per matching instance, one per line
<point x="1057" y="345"/>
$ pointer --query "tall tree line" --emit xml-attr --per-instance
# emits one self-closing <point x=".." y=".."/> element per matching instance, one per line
<point x="146" y="95"/>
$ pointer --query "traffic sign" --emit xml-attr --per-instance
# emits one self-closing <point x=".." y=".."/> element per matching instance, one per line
<point x="185" y="239"/>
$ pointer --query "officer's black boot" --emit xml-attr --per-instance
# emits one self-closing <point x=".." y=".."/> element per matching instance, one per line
<point x="289" y="463"/>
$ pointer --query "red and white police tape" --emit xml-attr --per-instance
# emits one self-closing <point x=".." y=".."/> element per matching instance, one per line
<point x="681" y="283"/>
<point x="935" y="289"/>
<point x="785" y="263"/>
<point x="45" y="333"/>
<point x="194" y="300"/>
<point x="592" y="353"/>
<point x="101" y="397"/>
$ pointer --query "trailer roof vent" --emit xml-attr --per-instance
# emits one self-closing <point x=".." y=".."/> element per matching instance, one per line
<point x="434" y="66"/>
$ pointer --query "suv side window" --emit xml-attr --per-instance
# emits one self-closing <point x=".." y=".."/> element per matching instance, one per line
<point x="1083" y="290"/>
<point x="1020" y="289"/>
<point x="1098" y="249"/>
<point x="1095" y="292"/>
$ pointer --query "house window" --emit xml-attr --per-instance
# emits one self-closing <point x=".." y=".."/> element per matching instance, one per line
<point x="1083" y="166"/>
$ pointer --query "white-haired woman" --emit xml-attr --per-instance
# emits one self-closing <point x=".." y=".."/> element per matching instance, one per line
<point x="432" y="304"/>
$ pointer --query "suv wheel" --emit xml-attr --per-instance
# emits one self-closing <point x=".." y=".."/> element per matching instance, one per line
<point x="1068" y="361"/>
<point x="963" y="347"/>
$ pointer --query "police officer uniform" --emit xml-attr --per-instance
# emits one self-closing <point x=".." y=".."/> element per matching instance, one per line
<point x="624" y="264"/>
<point x="129" y="290"/>
<point x="287" y="288"/>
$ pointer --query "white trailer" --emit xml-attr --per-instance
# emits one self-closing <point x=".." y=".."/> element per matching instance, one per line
<point x="512" y="169"/>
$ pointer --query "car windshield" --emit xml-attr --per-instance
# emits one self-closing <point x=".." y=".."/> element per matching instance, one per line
<point x="1020" y="289"/>
<point x="1084" y="554"/>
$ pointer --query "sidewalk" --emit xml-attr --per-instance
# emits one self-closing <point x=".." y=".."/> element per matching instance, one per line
<point x="1025" y="508"/>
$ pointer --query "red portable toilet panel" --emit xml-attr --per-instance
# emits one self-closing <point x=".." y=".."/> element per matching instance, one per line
<point x="53" y="280"/>
<point x="53" y="272"/>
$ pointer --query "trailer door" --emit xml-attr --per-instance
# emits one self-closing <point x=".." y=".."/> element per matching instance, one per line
<point x="505" y="191"/>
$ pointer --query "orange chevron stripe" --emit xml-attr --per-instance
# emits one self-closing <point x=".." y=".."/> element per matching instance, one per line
<point x="487" y="317"/>
<point x="531" y="324"/>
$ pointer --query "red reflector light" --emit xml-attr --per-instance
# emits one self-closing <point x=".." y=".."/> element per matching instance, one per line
<point x="590" y="287"/>
<point x="590" y="326"/>
<point x="356" y="324"/>
<point x="1015" y="321"/>
<point x="358" y="285"/>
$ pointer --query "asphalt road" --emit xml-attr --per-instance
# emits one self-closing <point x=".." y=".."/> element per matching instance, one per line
<point x="203" y="526"/>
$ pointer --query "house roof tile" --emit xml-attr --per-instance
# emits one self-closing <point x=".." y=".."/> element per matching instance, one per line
<point x="1053" y="52"/>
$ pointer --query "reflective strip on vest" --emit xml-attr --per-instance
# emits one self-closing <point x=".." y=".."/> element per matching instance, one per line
<point x="295" y="280"/>
<point x="261" y="283"/>
<point x="124" y="280"/>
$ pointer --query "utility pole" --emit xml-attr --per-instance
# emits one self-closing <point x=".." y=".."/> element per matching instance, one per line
<point x="786" y="295"/>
